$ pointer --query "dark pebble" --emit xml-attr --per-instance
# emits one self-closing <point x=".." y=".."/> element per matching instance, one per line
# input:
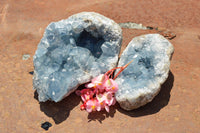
<point x="46" y="125"/>
<point x="150" y="28"/>
<point x="31" y="72"/>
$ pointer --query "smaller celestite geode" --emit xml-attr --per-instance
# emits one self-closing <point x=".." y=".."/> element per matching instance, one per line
<point x="140" y="82"/>
<point x="72" y="52"/>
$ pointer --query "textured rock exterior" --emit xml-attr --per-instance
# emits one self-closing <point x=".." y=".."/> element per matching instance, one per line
<point x="72" y="52"/>
<point x="140" y="82"/>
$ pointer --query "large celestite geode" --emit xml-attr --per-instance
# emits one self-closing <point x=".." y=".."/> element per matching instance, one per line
<point x="140" y="82"/>
<point x="72" y="52"/>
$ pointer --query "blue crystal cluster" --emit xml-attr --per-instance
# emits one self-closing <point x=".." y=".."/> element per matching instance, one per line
<point x="140" y="82"/>
<point x="72" y="52"/>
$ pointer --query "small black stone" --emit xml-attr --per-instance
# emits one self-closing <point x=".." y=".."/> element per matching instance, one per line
<point x="31" y="72"/>
<point x="150" y="28"/>
<point x="46" y="125"/>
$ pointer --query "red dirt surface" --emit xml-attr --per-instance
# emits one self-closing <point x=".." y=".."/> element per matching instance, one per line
<point x="176" y="109"/>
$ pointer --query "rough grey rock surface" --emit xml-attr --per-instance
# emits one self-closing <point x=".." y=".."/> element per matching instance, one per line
<point x="26" y="57"/>
<point x="140" y="82"/>
<point x="131" y="25"/>
<point x="72" y="52"/>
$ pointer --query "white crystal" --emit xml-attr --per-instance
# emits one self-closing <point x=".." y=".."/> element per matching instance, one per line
<point x="140" y="82"/>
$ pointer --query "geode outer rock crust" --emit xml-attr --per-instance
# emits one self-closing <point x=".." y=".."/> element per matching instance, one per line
<point x="72" y="52"/>
<point x="140" y="82"/>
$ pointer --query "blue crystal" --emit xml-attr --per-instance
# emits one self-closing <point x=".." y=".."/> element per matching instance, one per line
<point x="72" y="52"/>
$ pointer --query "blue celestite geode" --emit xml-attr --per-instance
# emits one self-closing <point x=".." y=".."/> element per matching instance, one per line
<point x="72" y="52"/>
<point x="140" y="82"/>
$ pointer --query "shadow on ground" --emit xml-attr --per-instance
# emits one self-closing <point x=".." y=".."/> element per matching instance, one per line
<point x="100" y="116"/>
<point x="59" y="111"/>
<point x="160" y="101"/>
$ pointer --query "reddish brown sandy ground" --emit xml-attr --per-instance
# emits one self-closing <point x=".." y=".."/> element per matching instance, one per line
<point x="176" y="109"/>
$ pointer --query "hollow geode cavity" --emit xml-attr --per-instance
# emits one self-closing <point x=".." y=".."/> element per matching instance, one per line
<point x="140" y="82"/>
<point x="72" y="52"/>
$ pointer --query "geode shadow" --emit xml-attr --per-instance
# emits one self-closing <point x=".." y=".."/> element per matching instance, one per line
<point x="60" y="111"/>
<point x="102" y="115"/>
<point x="160" y="101"/>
